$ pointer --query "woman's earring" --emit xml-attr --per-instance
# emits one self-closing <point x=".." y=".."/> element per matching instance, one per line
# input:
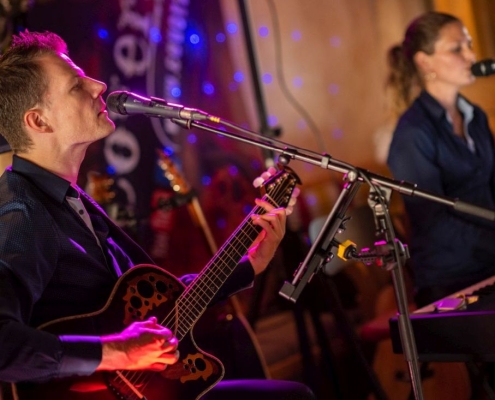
<point x="430" y="76"/>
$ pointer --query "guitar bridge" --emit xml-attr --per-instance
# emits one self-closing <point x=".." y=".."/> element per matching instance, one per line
<point x="124" y="385"/>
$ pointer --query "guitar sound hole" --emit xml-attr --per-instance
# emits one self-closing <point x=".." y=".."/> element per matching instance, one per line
<point x="145" y="289"/>
<point x="136" y="302"/>
<point x="200" y="364"/>
<point x="161" y="286"/>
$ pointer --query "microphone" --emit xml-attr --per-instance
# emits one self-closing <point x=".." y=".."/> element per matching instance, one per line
<point x="127" y="103"/>
<point x="483" y="68"/>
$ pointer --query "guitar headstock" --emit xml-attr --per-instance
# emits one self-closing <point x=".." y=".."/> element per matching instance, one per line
<point x="171" y="172"/>
<point x="279" y="187"/>
<point x="100" y="187"/>
<point x="104" y="189"/>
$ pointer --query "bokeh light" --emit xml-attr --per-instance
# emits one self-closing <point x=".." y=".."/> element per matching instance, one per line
<point x="296" y="36"/>
<point x="263" y="31"/>
<point x="208" y="88"/>
<point x="192" y="138"/>
<point x="297" y="82"/>
<point x="238" y="76"/>
<point x="232" y="27"/>
<point x="176" y="92"/>
<point x="267" y="78"/>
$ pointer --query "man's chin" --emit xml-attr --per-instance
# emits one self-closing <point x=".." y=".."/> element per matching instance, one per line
<point x="109" y="128"/>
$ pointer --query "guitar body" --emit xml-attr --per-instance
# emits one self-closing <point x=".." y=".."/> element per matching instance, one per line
<point x="140" y="293"/>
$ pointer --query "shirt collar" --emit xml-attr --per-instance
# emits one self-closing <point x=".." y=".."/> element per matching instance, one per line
<point x="437" y="111"/>
<point x="53" y="185"/>
<point x="466" y="108"/>
<point x="431" y="105"/>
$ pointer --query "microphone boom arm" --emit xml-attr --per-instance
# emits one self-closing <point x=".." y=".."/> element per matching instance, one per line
<point x="325" y="161"/>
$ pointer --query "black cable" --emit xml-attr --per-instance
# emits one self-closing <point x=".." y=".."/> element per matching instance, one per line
<point x="281" y="78"/>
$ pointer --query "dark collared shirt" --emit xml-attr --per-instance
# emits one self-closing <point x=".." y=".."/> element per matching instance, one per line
<point x="51" y="266"/>
<point x="448" y="248"/>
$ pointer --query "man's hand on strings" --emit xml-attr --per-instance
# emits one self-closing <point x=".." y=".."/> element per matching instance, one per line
<point x="273" y="223"/>
<point x="142" y="345"/>
<point x="265" y="245"/>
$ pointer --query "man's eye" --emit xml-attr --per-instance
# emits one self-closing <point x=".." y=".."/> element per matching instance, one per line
<point x="77" y="86"/>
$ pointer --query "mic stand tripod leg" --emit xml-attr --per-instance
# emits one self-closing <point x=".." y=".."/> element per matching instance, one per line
<point x="320" y="253"/>
<point x="406" y="332"/>
<point x="378" y="201"/>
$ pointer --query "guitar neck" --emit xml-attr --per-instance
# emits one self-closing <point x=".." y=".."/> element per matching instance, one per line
<point x="196" y="298"/>
<point x="198" y="295"/>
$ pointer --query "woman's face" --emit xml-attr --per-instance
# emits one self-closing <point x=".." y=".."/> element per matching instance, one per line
<point x="450" y="63"/>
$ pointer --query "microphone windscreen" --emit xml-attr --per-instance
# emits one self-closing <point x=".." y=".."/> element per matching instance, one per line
<point x="115" y="102"/>
<point x="483" y="68"/>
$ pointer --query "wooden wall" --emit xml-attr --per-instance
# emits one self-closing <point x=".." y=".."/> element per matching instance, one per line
<point x="334" y="64"/>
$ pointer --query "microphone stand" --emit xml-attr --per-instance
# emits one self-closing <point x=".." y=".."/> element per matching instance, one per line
<point x="320" y="252"/>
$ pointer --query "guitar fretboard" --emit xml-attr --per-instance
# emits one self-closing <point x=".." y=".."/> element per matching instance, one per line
<point x="198" y="295"/>
<point x="192" y="303"/>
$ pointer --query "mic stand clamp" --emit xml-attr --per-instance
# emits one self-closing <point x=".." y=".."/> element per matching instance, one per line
<point x="387" y="256"/>
<point x="383" y="255"/>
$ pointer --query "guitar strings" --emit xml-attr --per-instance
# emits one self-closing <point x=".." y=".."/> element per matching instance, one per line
<point x="191" y="296"/>
<point x="188" y="297"/>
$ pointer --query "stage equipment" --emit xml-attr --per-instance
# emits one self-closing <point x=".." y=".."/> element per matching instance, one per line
<point x="390" y="251"/>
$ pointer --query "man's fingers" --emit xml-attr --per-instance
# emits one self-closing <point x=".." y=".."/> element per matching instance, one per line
<point x="170" y="358"/>
<point x="157" y="333"/>
<point x="170" y="345"/>
<point x="164" y="360"/>
<point x="158" y="366"/>
<point x="271" y="223"/>
<point x="264" y="204"/>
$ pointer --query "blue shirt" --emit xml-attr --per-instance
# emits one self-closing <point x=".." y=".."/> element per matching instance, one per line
<point x="52" y="266"/>
<point x="448" y="248"/>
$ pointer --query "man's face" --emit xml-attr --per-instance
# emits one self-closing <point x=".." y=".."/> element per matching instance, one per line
<point x="73" y="107"/>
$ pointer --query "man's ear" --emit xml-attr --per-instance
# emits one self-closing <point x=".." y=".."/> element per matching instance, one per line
<point x="34" y="120"/>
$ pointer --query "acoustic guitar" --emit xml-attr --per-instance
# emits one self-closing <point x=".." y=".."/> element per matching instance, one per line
<point x="147" y="290"/>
